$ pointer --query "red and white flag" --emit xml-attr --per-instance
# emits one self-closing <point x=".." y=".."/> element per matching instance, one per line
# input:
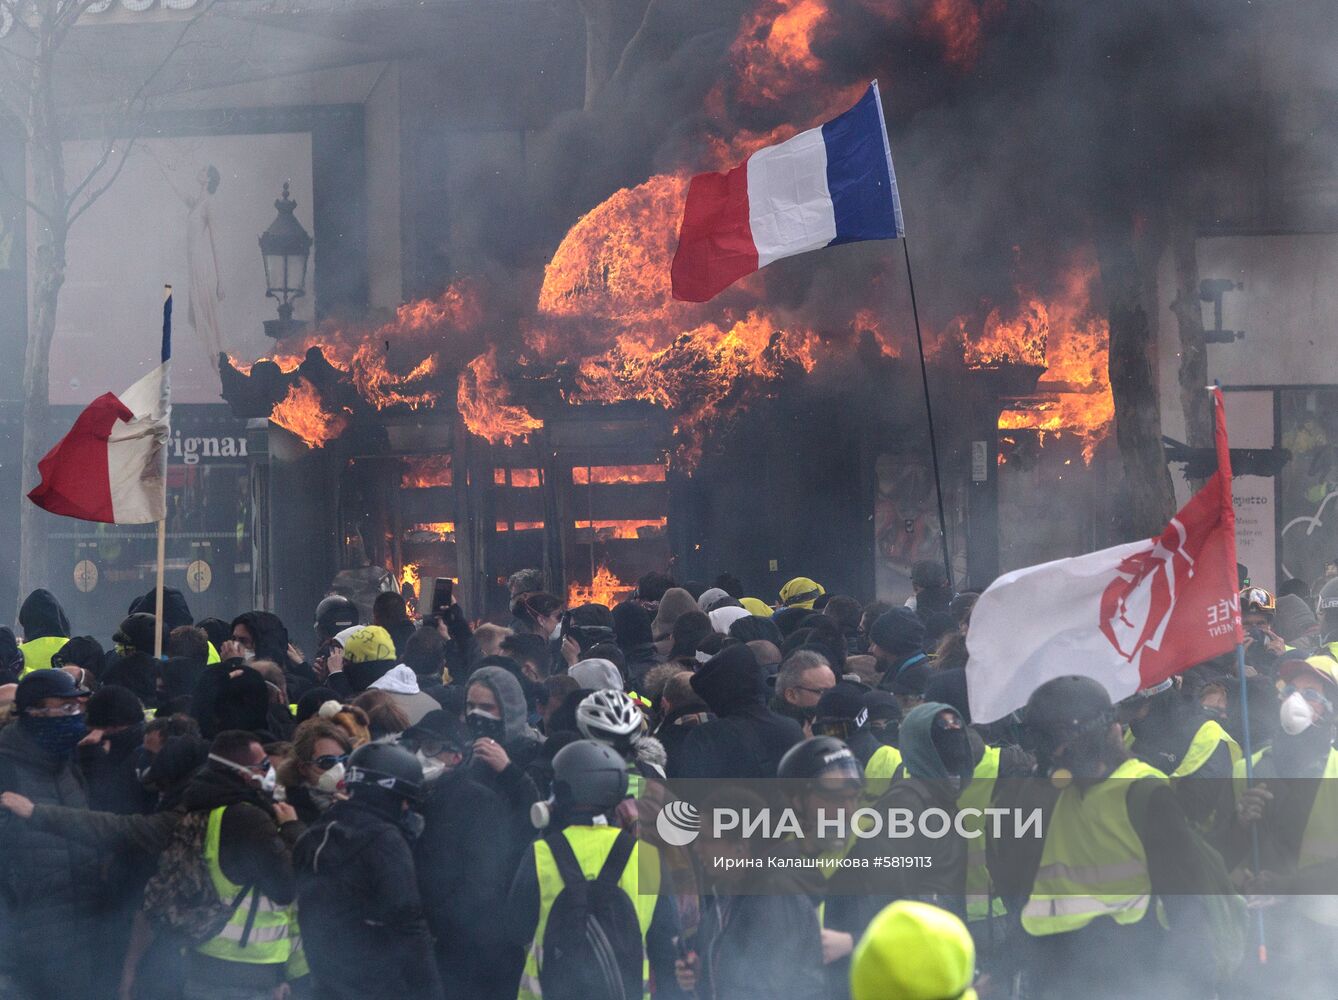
<point x="112" y="465"/>
<point x="1128" y="617"/>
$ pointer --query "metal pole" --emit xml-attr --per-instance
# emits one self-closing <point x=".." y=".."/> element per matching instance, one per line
<point x="929" y="412"/>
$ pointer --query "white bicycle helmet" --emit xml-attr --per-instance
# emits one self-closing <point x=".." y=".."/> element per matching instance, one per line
<point x="608" y="715"/>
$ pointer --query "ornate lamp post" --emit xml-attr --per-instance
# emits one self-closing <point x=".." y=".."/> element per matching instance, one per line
<point x="285" y="248"/>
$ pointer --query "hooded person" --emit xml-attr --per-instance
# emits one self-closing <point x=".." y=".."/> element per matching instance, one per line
<point x="81" y="651"/>
<point x="230" y="696"/>
<point x="369" y="653"/>
<point x="723" y="618"/>
<point x="751" y="628"/>
<point x="632" y="626"/>
<point x="689" y="632"/>
<point x="1296" y="623"/>
<point x="801" y="592"/>
<point x="746" y="739"/>
<point x="401" y="683"/>
<point x="675" y="603"/>
<point x="596" y="675"/>
<point x="135" y="634"/>
<point x="712" y="598"/>
<point x="756" y="606"/>
<point x="45" y="629"/>
<point x="176" y="612"/>
<point x="262" y="635"/>
<point x="109" y="766"/>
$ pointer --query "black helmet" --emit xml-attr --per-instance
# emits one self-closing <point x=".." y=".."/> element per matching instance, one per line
<point x="1068" y="704"/>
<point x="589" y="775"/>
<point x="818" y="756"/>
<point x="334" y="614"/>
<point x="385" y="766"/>
<point x="1328" y="599"/>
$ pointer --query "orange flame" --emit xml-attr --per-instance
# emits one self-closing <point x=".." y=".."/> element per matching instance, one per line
<point x="524" y="478"/>
<point x="644" y="528"/>
<point x="427" y="471"/>
<point x="484" y="400"/>
<point x="302" y="413"/>
<point x="605" y="589"/>
<point x="520" y="525"/>
<point x="603" y="475"/>
<point x="1067" y="335"/>
<point x="409" y="577"/>
<point x="443" y="530"/>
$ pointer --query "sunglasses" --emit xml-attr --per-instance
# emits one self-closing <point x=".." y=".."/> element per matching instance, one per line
<point x="328" y="760"/>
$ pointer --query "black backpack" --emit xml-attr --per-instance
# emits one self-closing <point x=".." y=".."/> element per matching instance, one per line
<point x="592" y="947"/>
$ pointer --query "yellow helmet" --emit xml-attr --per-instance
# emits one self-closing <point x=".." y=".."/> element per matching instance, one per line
<point x="1257" y="599"/>
<point x="801" y="592"/>
<point x="371" y="642"/>
<point x="913" y="951"/>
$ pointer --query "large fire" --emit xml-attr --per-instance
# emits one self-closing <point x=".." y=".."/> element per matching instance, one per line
<point x="426" y="471"/>
<point x="485" y="403"/>
<point x="302" y="413"/>
<point x="605" y="589"/>
<point x="604" y="475"/>
<point x="1066" y="335"/>
<point x="606" y="530"/>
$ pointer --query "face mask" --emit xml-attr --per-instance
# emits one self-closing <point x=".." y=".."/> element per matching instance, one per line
<point x="267" y="783"/>
<point x="56" y="736"/>
<point x="1295" y="714"/>
<point x="556" y="634"/>
<point x="248" y="655"/>
<point x="432" y="768"/>
<point x="482" y="725"/>
<point x="329" y="780"/>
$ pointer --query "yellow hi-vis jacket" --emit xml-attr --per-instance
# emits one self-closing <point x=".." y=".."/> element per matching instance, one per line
<point x="37" y="653"/>
<point x="978" y="795"/>
<point x="591" y="845"/>
<point x="1093" y="863"/>
<point x="272" y="938"/>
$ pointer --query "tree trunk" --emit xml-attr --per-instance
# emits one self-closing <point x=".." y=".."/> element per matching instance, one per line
<point x="1188" y="311"/>
<point x="47" y="160"/>
<point x="1133" y="384"/>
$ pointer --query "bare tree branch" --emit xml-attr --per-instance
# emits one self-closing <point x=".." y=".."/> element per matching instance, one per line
<point x="17" y="195"/>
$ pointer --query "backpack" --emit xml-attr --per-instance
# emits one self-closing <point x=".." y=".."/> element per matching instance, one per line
<point x="180" y="897"/>
<point x="592" y="947"/>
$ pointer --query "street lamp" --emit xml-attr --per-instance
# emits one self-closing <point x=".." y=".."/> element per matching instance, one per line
<point x="284" y="247"/>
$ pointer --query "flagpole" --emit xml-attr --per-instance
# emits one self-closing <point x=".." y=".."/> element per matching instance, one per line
<point x="162" y="521"/>
<point x="1224" y="469"/>
<point x="929" y="412"/>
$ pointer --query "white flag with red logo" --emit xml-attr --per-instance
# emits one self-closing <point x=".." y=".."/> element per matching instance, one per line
<point x="1128" y="617"/>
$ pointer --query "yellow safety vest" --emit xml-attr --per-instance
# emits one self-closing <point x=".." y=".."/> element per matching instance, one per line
<point x="1093" y="863"/>
<point x="37" y="653"/>
<point x="978" y="795"/>
<point x="272" y="937"/>
<point x="882" y="767"/>
<point x="591" y="845"/>
<point x="1205" y="743"/>
<point x="212" y="657"/>
<point x="1319" y="842"/>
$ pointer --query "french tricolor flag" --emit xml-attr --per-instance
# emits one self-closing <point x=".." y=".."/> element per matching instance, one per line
<point x="112" y="465"/>
<point x="829" y="185"/>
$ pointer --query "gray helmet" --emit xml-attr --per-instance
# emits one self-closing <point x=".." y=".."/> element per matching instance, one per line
<point x="818" y="756"/>
<point x="589" y="775"/>
<point x="334" y="614"/>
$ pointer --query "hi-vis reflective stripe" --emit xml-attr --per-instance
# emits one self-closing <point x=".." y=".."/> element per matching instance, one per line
<point x="1092" y="873"/>
<point x="259" y="935"/>
<point x="1087" y="907"/>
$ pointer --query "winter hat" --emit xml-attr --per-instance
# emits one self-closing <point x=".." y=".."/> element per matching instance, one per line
<point x="710" y="598"/>
<point x="801" y="592"/>
<point x="368" y="643"/>
<point x="689" y="630"/>
<point x="913" y="951"/>
<point x="845" y="700"/>
<point x="596" y="675"/>
<point x="899" y="632"/>
<point x="751" y="627"/>
<point x="675" y="603"/>
<point x="113" y="706"/>
<point x="1293" y="618"/>
<point x="723" y="618"/>
<point x="788" y="619"/>
<point x="755" y="606"/>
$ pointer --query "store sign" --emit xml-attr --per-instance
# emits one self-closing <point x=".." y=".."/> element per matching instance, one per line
<point x="190" y="450"/>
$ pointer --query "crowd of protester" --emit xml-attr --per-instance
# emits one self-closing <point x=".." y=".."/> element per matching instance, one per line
<point x="403" y="813"/>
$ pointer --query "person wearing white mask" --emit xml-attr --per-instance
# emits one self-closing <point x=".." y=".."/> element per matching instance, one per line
<point x="313" y="772"/>
<point x="1292" y="806"/>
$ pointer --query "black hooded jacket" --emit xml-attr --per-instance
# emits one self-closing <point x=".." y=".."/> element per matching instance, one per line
<point x="176" y="612"/>
<point x="270" y="634"/>
<point x="42" y="616"/>
<point x="746" y="739"/>
<point x="362" y="919"/>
